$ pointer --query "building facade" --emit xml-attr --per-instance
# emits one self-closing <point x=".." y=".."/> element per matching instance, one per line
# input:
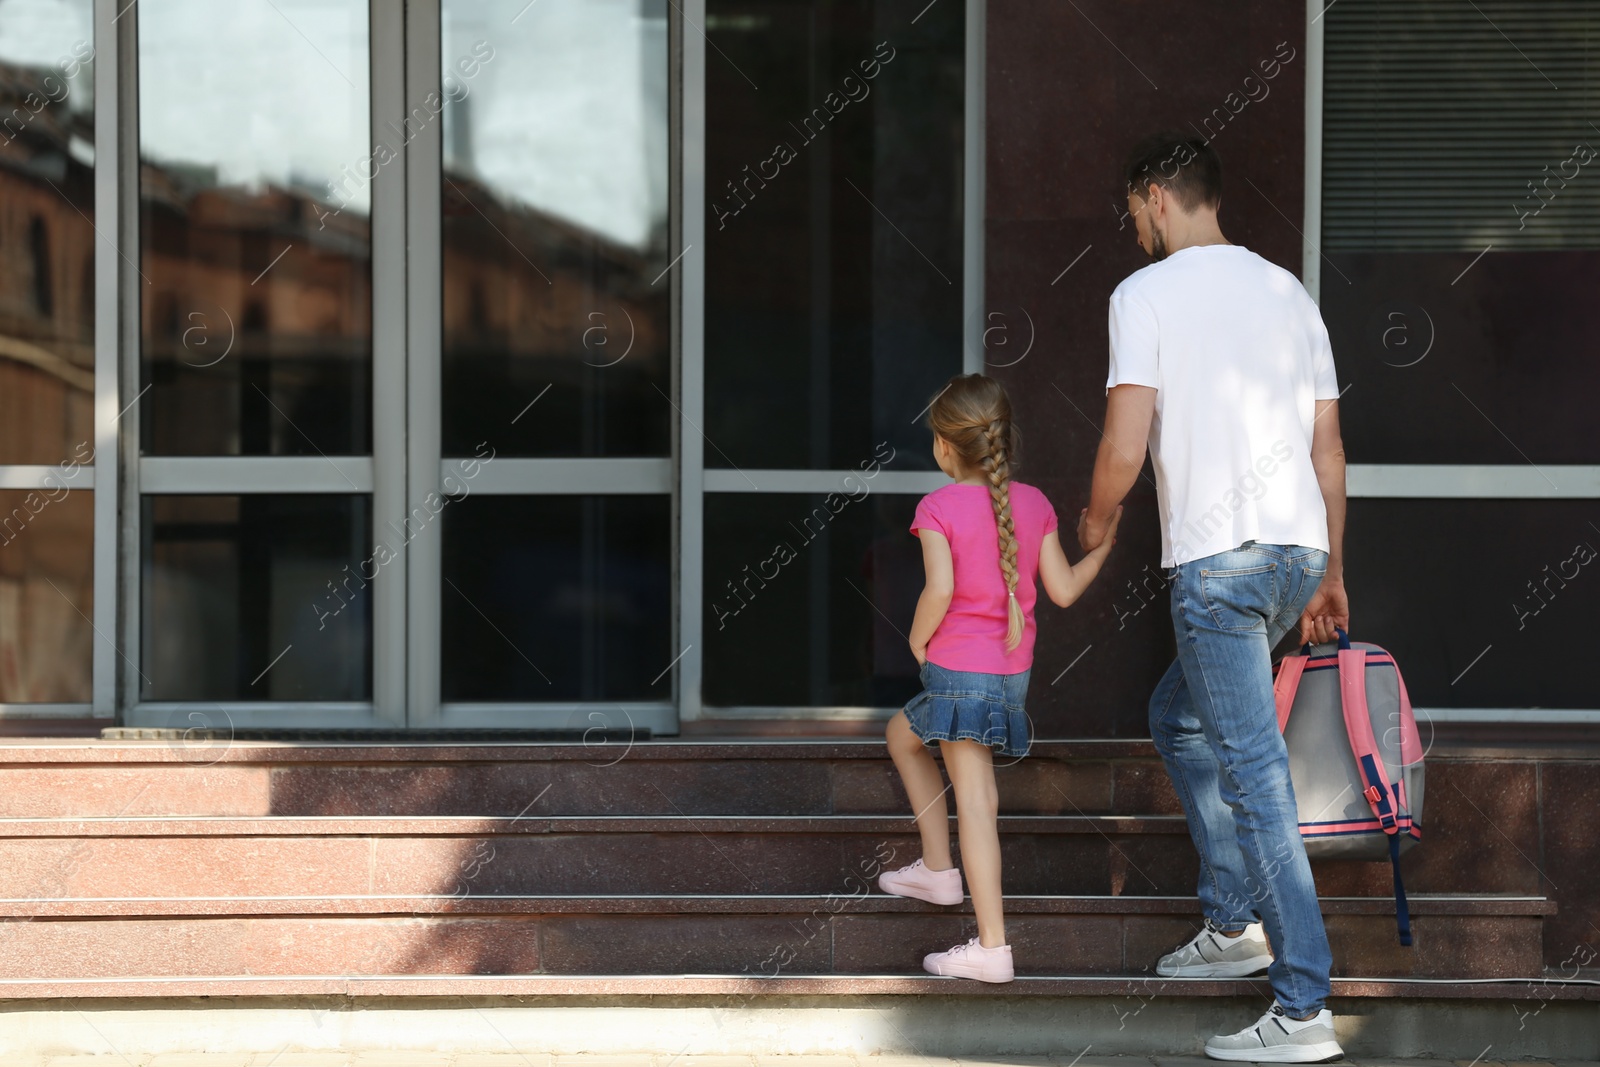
<point x="439" y="371"/>
<point x="385" y="386"/>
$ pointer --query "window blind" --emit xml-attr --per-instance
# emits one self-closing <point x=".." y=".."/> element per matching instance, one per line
<point x="1451" y="125"/>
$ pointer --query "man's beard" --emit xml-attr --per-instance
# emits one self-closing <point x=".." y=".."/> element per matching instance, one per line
<point x="1158" y="245"/>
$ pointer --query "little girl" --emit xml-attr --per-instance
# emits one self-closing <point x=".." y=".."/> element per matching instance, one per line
<point x="984" y="539"/>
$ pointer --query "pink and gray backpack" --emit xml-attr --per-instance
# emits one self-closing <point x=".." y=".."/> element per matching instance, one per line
<point x="1355" y="756"/>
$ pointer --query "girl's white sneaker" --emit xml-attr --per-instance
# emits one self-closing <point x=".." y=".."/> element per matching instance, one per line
<point x="916" y="881"/>
<point x="972" y="960"/>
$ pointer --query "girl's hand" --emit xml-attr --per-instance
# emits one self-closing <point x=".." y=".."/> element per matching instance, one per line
<point x="1104" y="547"/>
<point x="921" y="654"/>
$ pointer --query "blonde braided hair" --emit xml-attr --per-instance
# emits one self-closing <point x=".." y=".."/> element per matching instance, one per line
<point x="973" y="414"/>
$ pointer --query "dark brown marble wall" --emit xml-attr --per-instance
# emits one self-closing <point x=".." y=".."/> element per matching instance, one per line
<point x="1070" y="88"/>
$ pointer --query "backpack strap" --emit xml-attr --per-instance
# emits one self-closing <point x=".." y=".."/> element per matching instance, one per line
<point x="1402" y="910"/>
<point x="1286" y="685"/>
<point x="1358" y="725"/>
<point x="1410" y="739"/>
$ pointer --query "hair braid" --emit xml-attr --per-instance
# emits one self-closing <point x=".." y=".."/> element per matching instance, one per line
<point x="996" y="463"/>
<point x="972" y="415"/>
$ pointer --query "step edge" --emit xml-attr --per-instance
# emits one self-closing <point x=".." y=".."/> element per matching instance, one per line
<point x="116" y="751"/>
<point x="666" y="904"/>
<point x="660" y="986"/>
<point x="20" y="827"/>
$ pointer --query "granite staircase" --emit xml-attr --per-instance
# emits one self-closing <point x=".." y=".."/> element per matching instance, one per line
<point x="149" y="868"/>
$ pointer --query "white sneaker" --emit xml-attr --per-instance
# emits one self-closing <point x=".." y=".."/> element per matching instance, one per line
<point x="916" y="881"/>
<point x="1277" y="1038"/>
<point x="1213" y="954"/>
<point x="972" y="960"/>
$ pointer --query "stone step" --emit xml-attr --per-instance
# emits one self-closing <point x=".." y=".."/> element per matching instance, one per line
<point x="102" y="779"/>
<point x="1483" y="940"/>
<point x="1043" y="854"/>
<point x="584" y="856"/>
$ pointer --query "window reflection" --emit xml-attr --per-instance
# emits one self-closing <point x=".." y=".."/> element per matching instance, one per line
<point x="46" y="594"/>
<point x="554" y="598"/>
<point x="807" y="599"/>
<point x="258" y="597"/>
<point x="1523" y="625"/>
<point x="555" y="227"/>
<point x="256" y="160"/>
<point x="833" y="227"/>
<point x="46" y="232"/>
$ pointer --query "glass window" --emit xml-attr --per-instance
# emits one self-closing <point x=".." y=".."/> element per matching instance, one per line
<point x="259" y="597"/>
<point x="834" y="145"/>
<point x="256" y="166"/>
<point x="46" y="595"/>
<point x="557" y="598"/>
<point x="1500" y="612"/>
<point x="808" y="599"/>
<point x="555" y="197"/>
<point x="46" y="230"/>
<point x="1461" y="228"/>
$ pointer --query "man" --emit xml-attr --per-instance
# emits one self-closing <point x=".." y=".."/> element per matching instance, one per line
<point x="1221" y="362"/>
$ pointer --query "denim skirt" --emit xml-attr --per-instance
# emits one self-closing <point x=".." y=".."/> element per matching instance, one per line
<point x="970" y="706"/>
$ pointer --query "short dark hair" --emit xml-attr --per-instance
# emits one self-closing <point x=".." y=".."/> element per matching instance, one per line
<point x="1187" y="167"/>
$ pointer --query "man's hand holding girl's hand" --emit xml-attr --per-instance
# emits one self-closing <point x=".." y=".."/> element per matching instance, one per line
<point x="1098" y="536"/>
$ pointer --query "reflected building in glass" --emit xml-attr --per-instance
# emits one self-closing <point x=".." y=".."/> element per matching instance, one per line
<point x="47" y="305"/>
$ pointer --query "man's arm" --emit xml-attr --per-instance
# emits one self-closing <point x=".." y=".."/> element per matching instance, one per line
<point x="1330" y="607"/>
<point x="1129" y="409"/>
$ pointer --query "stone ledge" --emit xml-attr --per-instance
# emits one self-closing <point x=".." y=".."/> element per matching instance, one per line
<point x="679" y="904"/>
<point x="56" y="750"/>
<point x="712" y="988"/>
<point x="475" y="826"/>
<point x="1449" y="742"/>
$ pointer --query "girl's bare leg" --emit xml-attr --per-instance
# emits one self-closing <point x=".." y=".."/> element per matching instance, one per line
<point x="971" y="768"/>
<point x="925" y="786"/>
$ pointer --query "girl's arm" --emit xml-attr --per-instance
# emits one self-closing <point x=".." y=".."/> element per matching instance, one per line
<point x="1064" y="583"/>
<point x="937" y="589"/>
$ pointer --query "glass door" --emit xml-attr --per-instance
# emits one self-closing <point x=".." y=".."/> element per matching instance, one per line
<point x="267" y="397"/>
<point x="832" y="202"/>
<point x="403" y="404"/>
<point x="541" y="337"/>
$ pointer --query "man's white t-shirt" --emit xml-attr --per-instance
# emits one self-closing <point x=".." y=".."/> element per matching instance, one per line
<point x="1238" y="355"/>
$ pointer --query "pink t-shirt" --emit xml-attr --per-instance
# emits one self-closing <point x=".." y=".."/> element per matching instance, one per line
<point x="972" y="635"/>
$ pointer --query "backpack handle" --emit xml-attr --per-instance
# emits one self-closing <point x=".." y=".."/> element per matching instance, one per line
<point x="1344" y="642"/>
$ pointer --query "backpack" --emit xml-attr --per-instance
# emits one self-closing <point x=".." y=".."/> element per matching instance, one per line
<point x="1355" y="756"/>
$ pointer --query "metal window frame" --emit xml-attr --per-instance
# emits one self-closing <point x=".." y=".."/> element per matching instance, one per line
<point x="1427" y="481"/>
<point x="40" y="476"/>
<point x="1311" y="230"/>
<point x="108" y="170"/>
<point x="691" y="452"/>
<point x="423" y="157"/>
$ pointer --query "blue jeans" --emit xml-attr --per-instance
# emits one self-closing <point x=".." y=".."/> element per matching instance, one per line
<point x="1214" y="722"/>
